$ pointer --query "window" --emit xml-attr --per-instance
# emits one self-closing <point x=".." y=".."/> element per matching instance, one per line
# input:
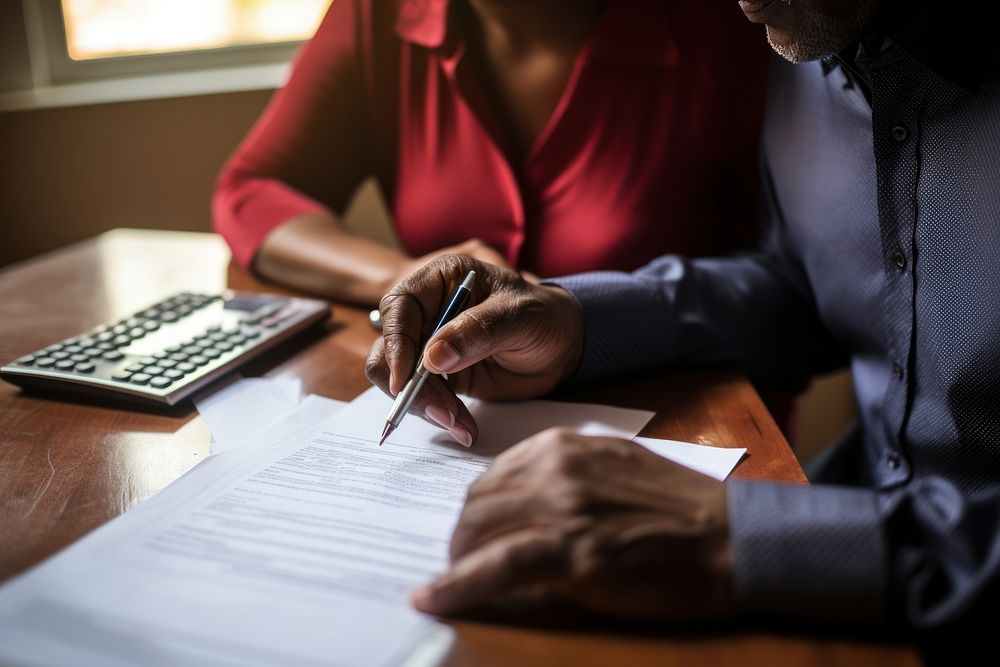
<point x="115" y="28"/>
<point x="93" y="39"/>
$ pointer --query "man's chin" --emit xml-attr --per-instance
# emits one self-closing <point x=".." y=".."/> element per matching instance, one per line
<point x="796" y="51"/>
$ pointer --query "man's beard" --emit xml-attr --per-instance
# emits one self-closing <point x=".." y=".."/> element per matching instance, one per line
<point x="817" y="35"/>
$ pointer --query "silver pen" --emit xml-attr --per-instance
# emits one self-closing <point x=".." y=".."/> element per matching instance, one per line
<point x="406" y="397"/>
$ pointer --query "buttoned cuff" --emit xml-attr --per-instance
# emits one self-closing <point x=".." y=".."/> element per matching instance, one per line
<point x="807" y="551"/>
<point x="626" y="323"/>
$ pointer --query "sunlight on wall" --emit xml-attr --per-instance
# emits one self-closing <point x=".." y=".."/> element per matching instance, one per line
<point x="109" y="28"/>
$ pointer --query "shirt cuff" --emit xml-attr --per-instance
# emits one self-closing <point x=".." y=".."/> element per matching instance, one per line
<point x="807" y="551"/>
<point x="626" y="323"/>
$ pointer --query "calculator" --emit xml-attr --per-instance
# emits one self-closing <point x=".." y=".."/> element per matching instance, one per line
<point x="168" y="351"/>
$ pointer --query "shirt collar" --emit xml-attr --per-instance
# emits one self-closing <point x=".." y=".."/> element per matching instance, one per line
<point x="952" y="39"/>
<point x="630" y="32"/>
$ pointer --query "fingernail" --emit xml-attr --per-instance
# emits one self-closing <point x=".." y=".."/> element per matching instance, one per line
<point x="443" y="356"/>
<point x="421" y="598"/>
<point x="440" y="416"/>
<point x="392" y="384"/>
<point x="464" y="437"/>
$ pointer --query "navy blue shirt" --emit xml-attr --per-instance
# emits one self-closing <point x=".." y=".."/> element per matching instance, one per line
<point x="882" y="250"/>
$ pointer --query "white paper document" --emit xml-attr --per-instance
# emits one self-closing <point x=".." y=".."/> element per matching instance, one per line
<point x="299" y="548"/>
<point x="715" y="462"/>
<point x="246" y="407"/>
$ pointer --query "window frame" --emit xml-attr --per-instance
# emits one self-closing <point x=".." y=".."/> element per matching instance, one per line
<point x="63" y="69"/>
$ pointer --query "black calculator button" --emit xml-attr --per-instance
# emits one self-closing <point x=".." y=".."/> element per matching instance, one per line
<point x="121" y="376"/>
<point x="150" y="325"/>
<point x="132" y="322"/>
<point x="166" y="363"/>
<point x="72" y="349"/>
<point x="105" y="336"/>
<point x="211" y="353"/>
<point x="160" y="382"/>
<point x="152" y="370"/>
<point x="119" y="329"/>
<point x="105" y="346"/>
<point x="185" y="367"/>
<point x="198" y="360"/>
<point x="45" y="362"/>
<point x="160" y="356"/>
<point x="183" y="309"/>
<point x="135" y="368"/>
<point x="137" y="332"/>
<point x="217" y="336"/>
<point x="58" y="355"/>
<point x="179" y="356"/>
<point x="193" y="349"/>
<point x="174" y="348"/>
<point x="93" y="351"/>
<point x="139" y="378"/>
<point x="113" y="355"/>
<point x="79" y="357"/>
<point x="65" y="364"/>
<point x="224" y="346"/>
<point x="214" y="328"/>
<point x="26" y="360"/>
<point x="237" y="339"/>
<point x="85" y="367"/>
<point x="168" y="316"/>
<point x="173" y="374"/>
<point x="121" y="340"/>
<point x="149" y="361"/>
<point x="53" y="348"/>
<point x="149" y="312"/>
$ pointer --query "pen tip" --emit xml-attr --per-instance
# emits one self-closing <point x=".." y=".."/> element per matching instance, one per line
<point x="386" y="432"/>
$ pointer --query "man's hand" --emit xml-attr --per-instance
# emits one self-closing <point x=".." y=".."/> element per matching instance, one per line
<point x="597" y="522"/>
<point x="515" y="340"/>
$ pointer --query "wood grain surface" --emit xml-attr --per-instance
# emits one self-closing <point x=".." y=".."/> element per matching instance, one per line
<point x="66" y="466"/>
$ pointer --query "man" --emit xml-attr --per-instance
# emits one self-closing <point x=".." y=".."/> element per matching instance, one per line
<point x="881" y="169"/>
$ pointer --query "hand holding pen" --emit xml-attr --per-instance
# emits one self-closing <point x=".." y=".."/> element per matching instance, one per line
<point x="518" y="340"/>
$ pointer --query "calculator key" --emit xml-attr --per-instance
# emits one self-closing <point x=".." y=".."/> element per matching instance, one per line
<point x="179" y="356"/>
<point x="150" y="325"/>
<point x="137" y="332"/>
<point x="113" y="355"/>
<point x="121" y="340"/>
<point x="53" y="348"/>
<point x="173" y="348"/>
<point x="121" y="376"/>
<point x="153" y="370"/>
<point x="168" y="316"/>
<point x="185" y="367"/>
<point x="59" y="355"/>
<point x="183" y="309"/>
<point x="72" y="349"/>
<point x="160" y="356"/>
<point x="26" y="360"/>
<point x="211" y="353"/>
<point x="215" y="328"/>
<point x="147" y="360"/>
<point x="166" y="363"/>
<point x="139" y="378"/>
<point x="105" y="346"/>
<point x="85" y="367"/>
<point x="132" y="322"/>
<point x="79" y="357"/>
<point x="93" y="351"/>
<point x="119" y="329"/>
<point x="150" y="312"/>
<point x="237" y="339"/>
<point x="104" y="336"/>
<point x="217" y="336"/>
<point x="65" y="364"/>
<point x="198" y="360"/>
<point x="161" y="382"/>
<point x="250" y="332"/>
<point x="135" y="368"/>
<point x="173" y="374"/>
<point x="45" y="362"/>
<point x="224" y="346"/>
<point x="193" y="349"/>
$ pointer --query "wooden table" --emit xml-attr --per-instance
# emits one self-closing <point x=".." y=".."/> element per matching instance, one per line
<point x="66" y="468"/>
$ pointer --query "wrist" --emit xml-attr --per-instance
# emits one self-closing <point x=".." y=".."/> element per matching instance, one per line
<point x="567" y="315"/>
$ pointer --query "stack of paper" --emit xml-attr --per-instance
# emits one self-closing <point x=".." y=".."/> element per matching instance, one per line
<point x="299" y="545"/>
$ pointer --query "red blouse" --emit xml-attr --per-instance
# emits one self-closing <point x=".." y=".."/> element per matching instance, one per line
<point x="651" y="149"/>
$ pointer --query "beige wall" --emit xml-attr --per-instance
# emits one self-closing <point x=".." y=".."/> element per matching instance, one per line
<point x="69" y="173"/>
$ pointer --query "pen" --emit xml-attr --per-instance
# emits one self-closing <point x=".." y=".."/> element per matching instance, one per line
<point x="405" y="398"/>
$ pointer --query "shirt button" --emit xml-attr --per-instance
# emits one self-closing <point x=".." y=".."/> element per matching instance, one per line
<point x="900" y="133"/>
<point x="893" y="460"/>
<point x="897" y="370"/>
<point x="899" y="259"/>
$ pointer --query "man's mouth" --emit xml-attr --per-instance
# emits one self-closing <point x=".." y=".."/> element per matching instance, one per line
<point x="751" y="7"/>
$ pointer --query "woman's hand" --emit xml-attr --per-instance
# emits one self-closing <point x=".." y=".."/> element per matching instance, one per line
<point x="474" y="248"/>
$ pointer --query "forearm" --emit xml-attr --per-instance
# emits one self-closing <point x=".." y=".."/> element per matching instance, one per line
<point x="316" y="254"/>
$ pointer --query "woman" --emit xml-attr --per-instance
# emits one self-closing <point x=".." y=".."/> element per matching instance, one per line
<point x="555" y="136"/>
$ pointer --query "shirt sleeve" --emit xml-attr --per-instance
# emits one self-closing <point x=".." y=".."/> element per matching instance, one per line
<point x="925" y="556"/>
<point x="309" y="150"/>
